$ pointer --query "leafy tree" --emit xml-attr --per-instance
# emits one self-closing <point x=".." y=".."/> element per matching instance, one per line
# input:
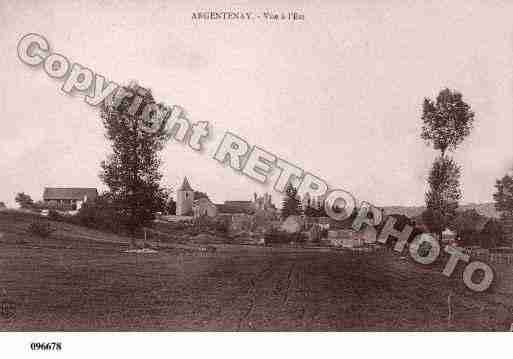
<point x="447" y="121"/>
<point x="167" y="204"/>
<point x="504" y="195"/>
<point x="24" y="200"/>
<point x="504" y="203"/>
<point x="131" y="171"/>
<point x="443" y="195"/>
<point x="491" y="236"/>
<point x="2" y="205"/>
<point x="433" y="219"/>
<point x="465" y="221"/>
<point x="466" y="225"/>
<point x="291" y="204"/>
<point x="171" y="206"/>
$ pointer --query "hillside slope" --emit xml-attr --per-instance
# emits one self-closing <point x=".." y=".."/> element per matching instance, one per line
<point x="14" y="228"/>
<point x="485" y="209"/>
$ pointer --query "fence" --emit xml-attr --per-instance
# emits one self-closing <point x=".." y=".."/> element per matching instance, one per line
<point x="498" y="258"/>
<point x="486" y="256"/>
<point x="475" y="254"/>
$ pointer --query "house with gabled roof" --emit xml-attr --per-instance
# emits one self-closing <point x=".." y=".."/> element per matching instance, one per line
<point x="72" y="196"/>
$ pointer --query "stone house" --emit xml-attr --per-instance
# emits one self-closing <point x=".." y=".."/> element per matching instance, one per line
<point x="188" y="205"/>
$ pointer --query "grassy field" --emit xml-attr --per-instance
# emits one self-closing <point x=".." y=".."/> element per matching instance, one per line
<point x="82" y="280"/>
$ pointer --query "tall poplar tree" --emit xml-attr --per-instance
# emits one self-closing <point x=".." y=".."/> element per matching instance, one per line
<point x="131" y="170"/>
<point x="446" y="123"/>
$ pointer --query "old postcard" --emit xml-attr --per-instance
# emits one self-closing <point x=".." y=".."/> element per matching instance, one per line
<point x="284" y="166"/>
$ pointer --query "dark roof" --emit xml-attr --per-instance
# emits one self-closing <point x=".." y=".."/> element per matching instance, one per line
<point x="238" y="203"/>
<point x="185" y="185"/>
<point x="69" y="193"/>
<point x="236" y="207"/>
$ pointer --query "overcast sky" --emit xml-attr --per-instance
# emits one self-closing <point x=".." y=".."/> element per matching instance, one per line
<point x="338" y="94"/>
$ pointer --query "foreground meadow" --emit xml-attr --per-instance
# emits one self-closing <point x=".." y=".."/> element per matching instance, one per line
<point x="85" y="281"/>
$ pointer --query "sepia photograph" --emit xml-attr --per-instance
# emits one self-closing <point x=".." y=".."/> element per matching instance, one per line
<point x="255" y="172"/>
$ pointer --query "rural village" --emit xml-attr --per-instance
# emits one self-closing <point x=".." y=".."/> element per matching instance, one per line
<point x="136" y="220"/>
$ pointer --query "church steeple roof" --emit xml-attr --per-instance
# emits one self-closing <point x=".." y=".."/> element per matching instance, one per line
<point x="185" y="185"/>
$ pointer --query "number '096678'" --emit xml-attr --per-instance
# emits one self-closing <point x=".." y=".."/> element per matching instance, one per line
<point x="46" y="346"/>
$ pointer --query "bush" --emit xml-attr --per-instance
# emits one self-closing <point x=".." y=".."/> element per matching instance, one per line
<point x="54" y="215"/>
<point x="41" y="229"/>
<point x="468" y="237"/>
<point x="100" y="214"/>
<point x="492" y="234"/>
<point x="24" y="200"/>
<point x="209" y="225"/>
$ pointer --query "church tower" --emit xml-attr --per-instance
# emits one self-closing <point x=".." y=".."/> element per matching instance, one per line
<point x="184" y="199"/>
